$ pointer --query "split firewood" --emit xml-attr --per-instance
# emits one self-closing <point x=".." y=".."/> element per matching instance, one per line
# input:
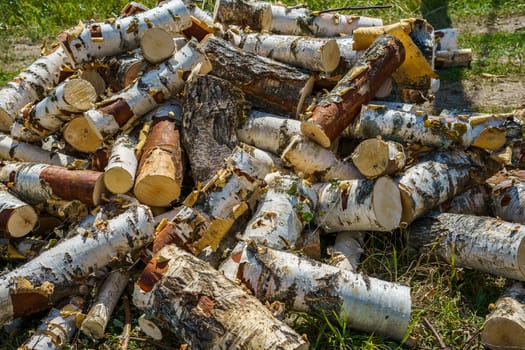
<point x="508" y="195"/>
<point x="157" y="45"/>
<point x="454" y="58"/>
<point x="346" y="252"/>
<point x="87" y="42"/>
<point x="36" y="183"/>
<point x="301" y="21"/>
<point x="212" y="110"/>
<point x="504" y="327"/>
<point x="366" y="303"/>
<point x="160" y="170"/>
<point x="269" y="85"/>
<point x="14" y="150"/>
<point x="355" y="205"/>
<point x="336" y="110"/>
<point x="207" y="310"/>
<point x="30" y="85"/>
<point x="376" y="157"/>
<point x="97" y="318"/>
<point x="17" y="218"/>
<point x="473" y="201"/>
<point x="121" y="71"/>
<point x="119" y="174"/>
<point x="57" y="328"/>
<point x="86" y="133"/>
<point x="478" y="242"/>
<point x="256" y="15"/>
<point x="45" y="279"/>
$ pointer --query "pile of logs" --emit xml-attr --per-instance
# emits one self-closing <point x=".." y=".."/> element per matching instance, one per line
<point x="153" y="150"/>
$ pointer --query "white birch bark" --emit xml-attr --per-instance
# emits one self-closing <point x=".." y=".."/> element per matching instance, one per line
<point x="473" y="201"/>
<point x="13" y="150"/>
<point x="453" y="58"/>
<point x="346" y="252"/>
<point x="368" y="304"/>
<point x="119" y="174"/>
<point x="355" y="205"/>
<point x="86" y="42"/>
<point x="32" y="286"/>
<point x="508" y="196"/>
<point x="307" y="157"/>
<point x="97" y="318"/>
<point x="21" y="132"/>
<point x="17" y="218"/>
<point x="30" y="85"/>
<point x="255" y="14"/>
<point x="447" y="39"/>
<point x="375" y="157"/>
<point x="504" y="327"/>
<point x="57" y="328"/>
<point x="301" y="21"/>
<point x="315" y="54"/>
<point x="207" y="310"/>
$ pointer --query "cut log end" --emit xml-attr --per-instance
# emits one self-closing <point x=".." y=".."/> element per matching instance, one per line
<point x="375" y="157"/>
<point x="157" y="45"/>
<point x="330" y="56"/>
<point x="98" y="190"/>
<point x="316" y="133"/>
<point x="21" y="221"/>
<point x="80" y="135"/>
<point x="95" y="79"/>
<point x="118" y="180"/>
<point x="503" y="333"/>
<point x="157" y="190"/>
<point x="80" y="94"/>
<point x="149" y="328"/>
<point x="93" y="328"/>
<point x="387" y="203"/>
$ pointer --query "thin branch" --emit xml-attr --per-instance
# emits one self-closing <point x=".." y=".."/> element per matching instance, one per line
<point x="124" y="337"/>
<point x="442" y="344"/>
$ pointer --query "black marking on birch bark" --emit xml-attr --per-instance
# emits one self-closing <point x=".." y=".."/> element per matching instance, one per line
<point x="363" y="191"/>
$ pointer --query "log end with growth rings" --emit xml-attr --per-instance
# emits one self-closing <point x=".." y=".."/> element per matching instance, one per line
<point x="313" y="131"/>
<point x="387" y="203"/>
<point x="157" y="45"/>
<point x="79" y="94"/>
<point x="375" y="157"/>
<point x="118" y="180"/>
<point x="330" y="56"/>
<point x="21" y="221"/>
<point x="149" y="328"/>
<point x="5" y="120"/>
<point x="503" y="333"/>
<point x="80" y="134"/>
<point x="157" y="190"/>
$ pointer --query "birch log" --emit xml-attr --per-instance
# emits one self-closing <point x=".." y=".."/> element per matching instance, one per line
<point x="254" y="14"/>
<point x="479" y="242"/>
<point x="17" y="218"/>
<point x="508" y="195"/>
<point x="156" y="45"/>
<point x="121" y="71"/>
<point x="35" y="285"/>
<point x="119" y="174"/>
<point x="367" y="303"/>
<point x="376" y="157"/>
<point x="453" y="58"/>
<point x="36" y="183"/>
<point x="212" y="109"/>
<point x="504" y="327"/>
<point x="269" y="85"/>
<point x="88" y="41"/>
<point x="355" y="205"/>
<point x="346" y="252"/>
<point x="86" y="133"/>
<point x="473" y="201"/>
<point x="14" y="150"/>
<point x="207" y="310"/>
<point x="301" y="21"/>
<point x="97" y="318"/>
<point x="57" y="328"/>
<point x="30" y="85"/>
<point x="336" y="110"/>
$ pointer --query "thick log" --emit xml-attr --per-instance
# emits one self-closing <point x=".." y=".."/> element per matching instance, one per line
<point x="479" y="242"/>
<point x="301" y="21"/>
<point x="446" y="39"/>
<point x="346" y="252"/>
<point x="88" y="41"/>
<point x="508" y="195"/>
<point x="36" y="183"/>
<point x="473" y="201"/>
<point x="157" y="45"/>
<point x="367" y="303"/>
<point x="268" y="84"/>
<point x="212" y="110"/>
<point x="30" y="85"/>
<point x="355" y="205"/>
<point x="504" y="327"/>
<point x="97" y="318"/>
<point x="17" y="218"/>
<point x="207" y="310"/>
<point x="35" y="285"/>
<point x="57" y="328"/>
<point x="376" y="157"/>
<point x="94" y="78"/>
<point x="454" y="58"/>
<point x="254" y="14"/>
<point x="119" y="174"/>
<point x="336" y="110"/>
<point x="121" y="71"/>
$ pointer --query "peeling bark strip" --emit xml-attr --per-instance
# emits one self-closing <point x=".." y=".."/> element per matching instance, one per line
<point x="368" y="304"/>
<point x="301" y="21"/>
<point x="335" y="111"/>
<point x="207" y="310"/>
<point x="97" y="318"/>
<point x="487" y="131"/>
<point x="375" y="157"/>
<point x="355" y="205"/>
<point x="213" y="108"/>
<point x="254" y="14"/>
<point x="318" y="55"/>
<point x="57" y="328"/>
<point x="268" y="84"/>
<point x="26" y="152"/>
<point x="160" y="171"/>
<point x="86" y="42"/>
<point x="30" y="85"/>
<point x="479" y="242"/>
<point x="38" y="283"/>
<point x="17" y="218"/>
<point x="119" y="174"/>
<point x="86" y="133"/>
<point x="37" y="183"/>
<point x="504" y="327"/>
<point x="473" y="201"/>
<point x="508" y="195"/>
